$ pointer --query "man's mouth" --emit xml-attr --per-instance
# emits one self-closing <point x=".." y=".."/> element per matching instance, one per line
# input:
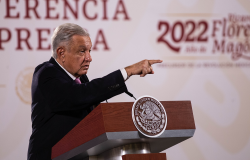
<point x="86" y="67"/>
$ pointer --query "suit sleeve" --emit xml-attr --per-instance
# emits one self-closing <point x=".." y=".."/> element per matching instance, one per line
<point x="63" y="95"/>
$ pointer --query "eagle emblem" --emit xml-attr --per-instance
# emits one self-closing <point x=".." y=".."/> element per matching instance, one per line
<point x="149" y="116"/>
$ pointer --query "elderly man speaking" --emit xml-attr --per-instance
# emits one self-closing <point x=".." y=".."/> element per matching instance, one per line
<point x="62" y="95"/>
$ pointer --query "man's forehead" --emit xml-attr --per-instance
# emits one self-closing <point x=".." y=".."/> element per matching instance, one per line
<point x="82" y="46"/>
<point x="82" y="41"/>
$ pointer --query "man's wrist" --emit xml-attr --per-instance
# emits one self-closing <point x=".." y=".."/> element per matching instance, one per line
<point x="128" y="70"/>
<point x="124" y="74"/>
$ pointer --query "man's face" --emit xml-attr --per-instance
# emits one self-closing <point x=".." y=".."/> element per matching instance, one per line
<point x="77" y="56"/>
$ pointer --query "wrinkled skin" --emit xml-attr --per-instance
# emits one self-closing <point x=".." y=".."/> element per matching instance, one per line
<point x="75" y="57"/>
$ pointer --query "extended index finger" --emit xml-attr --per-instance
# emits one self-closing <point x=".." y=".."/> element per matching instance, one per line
<point x="154" y="61"/>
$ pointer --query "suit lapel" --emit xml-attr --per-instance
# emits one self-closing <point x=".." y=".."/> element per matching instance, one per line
<point x="84" y="78"/>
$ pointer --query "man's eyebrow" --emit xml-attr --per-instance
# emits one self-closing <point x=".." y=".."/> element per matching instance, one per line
<point x="84" y="47"/>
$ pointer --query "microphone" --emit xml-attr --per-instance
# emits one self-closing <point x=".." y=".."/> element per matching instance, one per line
<point x="130" y="94"/>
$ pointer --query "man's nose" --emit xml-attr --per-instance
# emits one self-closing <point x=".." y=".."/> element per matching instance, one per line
<point x="88" y="57"/>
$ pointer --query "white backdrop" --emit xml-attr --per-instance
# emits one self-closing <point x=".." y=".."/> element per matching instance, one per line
<point x="204" y="45"/>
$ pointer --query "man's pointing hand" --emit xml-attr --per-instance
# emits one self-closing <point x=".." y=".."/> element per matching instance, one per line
<point x="141" y="68"/>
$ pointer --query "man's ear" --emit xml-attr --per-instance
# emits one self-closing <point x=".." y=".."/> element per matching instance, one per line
<point x="60" y="53"/>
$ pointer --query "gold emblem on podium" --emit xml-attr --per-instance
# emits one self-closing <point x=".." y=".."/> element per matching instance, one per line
<point x="23" y="85"/>
<point x="149" y="116"/>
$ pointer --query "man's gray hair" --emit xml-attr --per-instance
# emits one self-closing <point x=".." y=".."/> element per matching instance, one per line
<point x="64" y="34"/>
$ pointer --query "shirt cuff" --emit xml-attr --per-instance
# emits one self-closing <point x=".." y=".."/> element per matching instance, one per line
<point x="124" y="74"/>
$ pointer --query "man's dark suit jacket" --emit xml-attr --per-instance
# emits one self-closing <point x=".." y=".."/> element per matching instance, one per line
<point x="58" y="104"/>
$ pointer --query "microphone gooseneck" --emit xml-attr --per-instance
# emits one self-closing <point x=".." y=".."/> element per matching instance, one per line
<point x="130" y="94"/>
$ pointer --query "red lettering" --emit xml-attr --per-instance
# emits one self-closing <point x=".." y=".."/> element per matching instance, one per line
<point x="49" y="8"/>
<point x="162" y="37"/>
<point x="123" y="10"/>
<point x="40" y="39"/>
<point x="215" y="28"/>
<point x="201" y="38"/>
<point x="230" y="47"/>
<point x="224" y="27"/>
<point x="75" y="13"/>
<point x="231" y="30"/>
<point x="25" y="40"/>
<point x="101" y="41"/>
<point x="6" y="39"/>
<point x="8" y="8"/>
<point x="238" y="29"/>
<point x="219" y="47"/>
<point x="178" y="23"/>
<point x="189" y="37"/>
<point x="104" y="10"/>
<point x="84" y="10"/>
<point x="246" y="32"/>
<point x="28" y="8"/>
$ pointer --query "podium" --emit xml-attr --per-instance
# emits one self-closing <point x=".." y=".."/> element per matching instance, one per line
<point x="108" y="132"/>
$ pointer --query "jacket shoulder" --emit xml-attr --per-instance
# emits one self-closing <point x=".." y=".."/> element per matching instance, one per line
<point x="45" y="67"/>
<point x="48" y="70"/>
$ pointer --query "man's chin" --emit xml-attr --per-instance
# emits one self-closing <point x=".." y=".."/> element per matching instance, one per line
<point x="83" y="72"/>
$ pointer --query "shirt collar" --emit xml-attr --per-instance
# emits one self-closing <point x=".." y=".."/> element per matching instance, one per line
<point x="73" y="77"/>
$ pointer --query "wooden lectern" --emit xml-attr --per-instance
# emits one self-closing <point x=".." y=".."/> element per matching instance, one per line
<point x="108" y="132"/>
